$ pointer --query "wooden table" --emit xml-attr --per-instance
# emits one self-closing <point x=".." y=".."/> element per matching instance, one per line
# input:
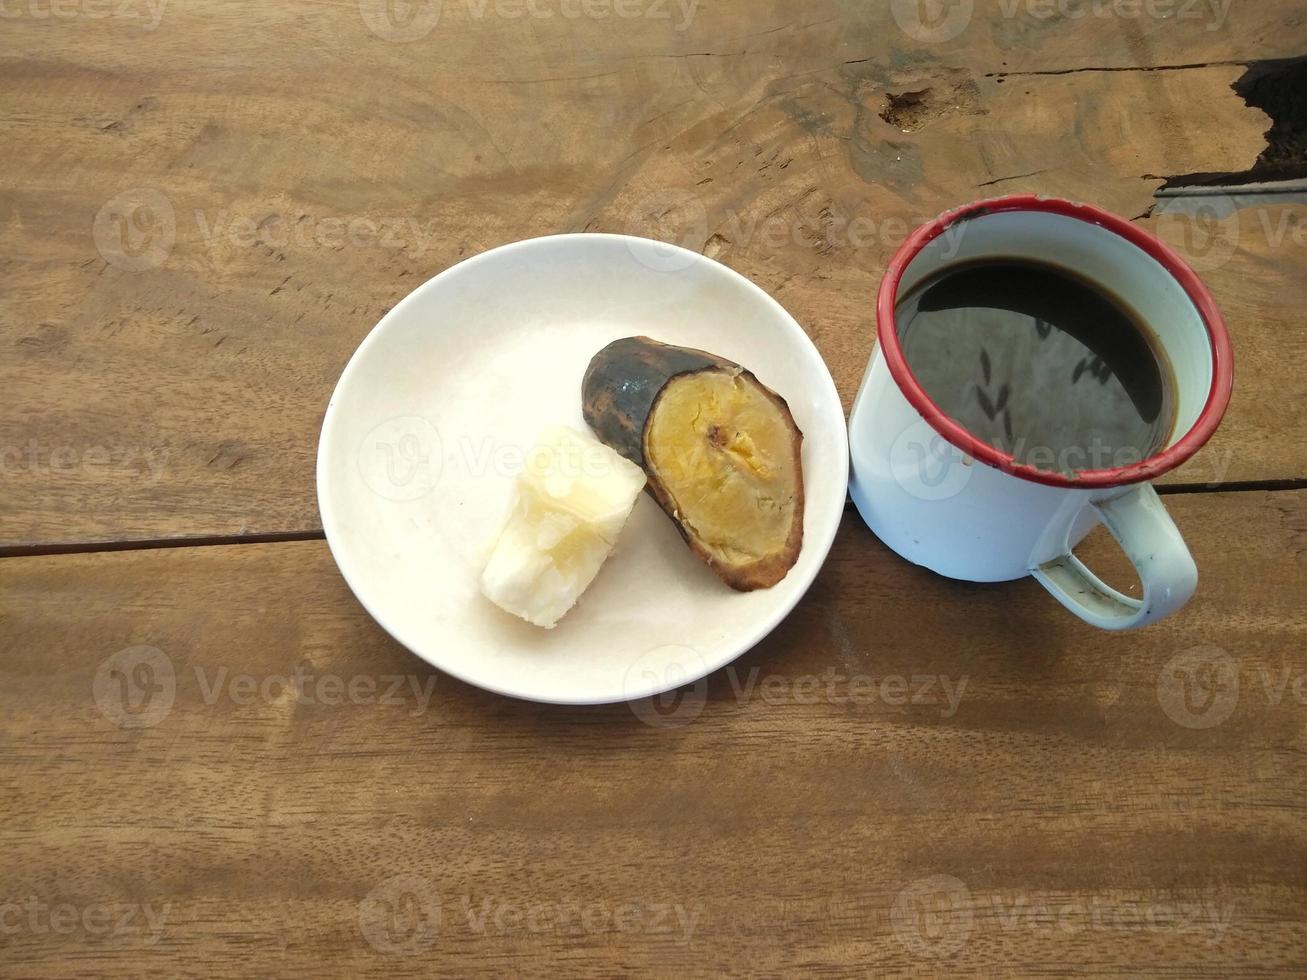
<point x="203" y="209"/>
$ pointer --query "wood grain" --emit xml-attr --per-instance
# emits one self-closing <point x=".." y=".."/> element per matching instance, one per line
<point x="202" y="215"/>
<point x="1250" y="253"/>
<point x="1070" y="812"/>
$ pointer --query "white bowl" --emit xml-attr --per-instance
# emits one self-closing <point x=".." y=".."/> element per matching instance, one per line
<point x="433" y="414"/>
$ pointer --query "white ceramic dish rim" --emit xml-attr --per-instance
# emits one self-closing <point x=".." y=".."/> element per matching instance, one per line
<point x="821" y="538"/>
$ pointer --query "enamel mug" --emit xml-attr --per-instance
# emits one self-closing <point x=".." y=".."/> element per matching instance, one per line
<point x="943" y="499"/>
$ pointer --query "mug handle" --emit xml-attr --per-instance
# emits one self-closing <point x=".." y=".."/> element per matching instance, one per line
<point x="1145" y="531"/>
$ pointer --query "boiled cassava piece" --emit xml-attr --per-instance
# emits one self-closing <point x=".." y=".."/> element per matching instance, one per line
<point x="569" y="504"/>
<point x="720" y="448"/>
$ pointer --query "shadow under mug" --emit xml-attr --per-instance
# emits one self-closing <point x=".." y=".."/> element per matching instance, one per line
<point x="946" y="500"/>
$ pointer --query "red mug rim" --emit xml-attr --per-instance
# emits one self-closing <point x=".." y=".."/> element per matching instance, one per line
<point x="1218" y="397"/>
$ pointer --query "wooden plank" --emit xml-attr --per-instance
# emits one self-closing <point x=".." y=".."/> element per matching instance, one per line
<point x="1056" y="800"/>
<point x="305" y="174"/>
<point x="1251" y="251"/>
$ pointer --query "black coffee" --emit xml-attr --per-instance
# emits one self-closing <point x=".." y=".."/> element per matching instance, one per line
<point x="1040" y="363"/>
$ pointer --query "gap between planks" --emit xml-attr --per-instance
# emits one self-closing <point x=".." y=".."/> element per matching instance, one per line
<point x="317" y="534"/>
